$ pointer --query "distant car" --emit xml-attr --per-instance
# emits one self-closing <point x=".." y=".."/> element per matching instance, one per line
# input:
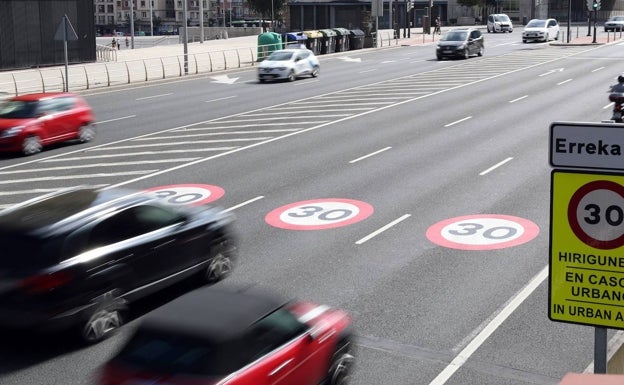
<point x="289" y="64"/>
<point x="227" y="337"/>
<point x="73" y="259"/>
<point x="460" y="42"/>
<point x="29" y="122"/>
<point x="541" y="30"/>
<point x="615" y="23"/>
<point x="499" y="23"/>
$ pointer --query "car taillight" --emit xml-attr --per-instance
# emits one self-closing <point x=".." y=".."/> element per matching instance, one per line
<point x="43" y="283"/>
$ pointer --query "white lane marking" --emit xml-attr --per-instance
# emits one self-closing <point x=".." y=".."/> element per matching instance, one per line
<point x="564" y="82"/>
<point x="520" y="98"/>
<point x="369" y="155"/>
<point x="127" y="154"/>
<point x="458" y="121"/>
<point x="153" y="96"/>
<point x="78" y="166"/>
<point x="218" y="99"/>
<point x="67" y="177"/>
<point x="243" y="204"/>
<point x="179" y="143"/>
<point x="608" y="105"/>
<point x="491" y="327"/>
<point x="497" y="165"/>
<point x="597" y="69"/>
<point x="116" y="119"/>
<point x="381" y="230"/>
<point x="306" y="82"/>
<point x="365" y="71"/>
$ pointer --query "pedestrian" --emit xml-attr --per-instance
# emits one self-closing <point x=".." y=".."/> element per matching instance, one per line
<point x="437" y="26"/>
<point x="114" y="43"/>
<point x="127" y="42"/>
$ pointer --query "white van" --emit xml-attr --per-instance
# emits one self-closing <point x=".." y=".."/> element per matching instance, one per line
<point x="499" y="22"/>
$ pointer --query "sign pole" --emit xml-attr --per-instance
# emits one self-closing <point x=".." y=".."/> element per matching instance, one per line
<point x="65" y="34"/>
<point x="600" y="350"/>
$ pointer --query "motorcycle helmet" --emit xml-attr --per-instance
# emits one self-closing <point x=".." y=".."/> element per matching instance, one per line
<point x="621" y="78"/>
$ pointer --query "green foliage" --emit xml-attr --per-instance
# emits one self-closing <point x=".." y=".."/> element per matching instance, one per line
<point x="471" y="3"/>
<point x="264" y="7"/>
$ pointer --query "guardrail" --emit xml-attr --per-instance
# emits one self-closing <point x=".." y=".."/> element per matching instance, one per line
<point x="113" y="73"/>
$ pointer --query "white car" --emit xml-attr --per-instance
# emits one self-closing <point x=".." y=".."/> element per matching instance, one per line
<point x="615" y="23"/>
<point x="540" y="30"/>
<point x="288" y="64"/>
<point x="499" y="22"/>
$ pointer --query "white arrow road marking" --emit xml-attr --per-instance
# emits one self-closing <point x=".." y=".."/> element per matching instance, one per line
<point x="224" y="79"/>
<point x="350" y="59"/>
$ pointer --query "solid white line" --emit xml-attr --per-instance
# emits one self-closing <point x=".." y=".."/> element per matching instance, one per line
<point x="490" y="328"/>
<point x="520" y="98"/>
<point x="497" y="165"/>
<point x="381" y="230"/>
<point x="458" y="121"/>
<point x="564" y="82"/>
<point x="67" y="177"/>
<point x="153" y="96"/>
<point x="217" y="99"/>
<point x="112" y="164"/>
<point x="371" y="70"/>
<point x="597" y="69"/>
<point x="243" y="204"/>
<point x="608" y="105"/>
<point x="116" y="119"/>
<point x="369" y="155"/>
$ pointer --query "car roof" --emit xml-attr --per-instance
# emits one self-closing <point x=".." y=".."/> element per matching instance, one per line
<point x="41" y="95"/>
<point x="212" y="313"/>
<point x="68" y="207"/>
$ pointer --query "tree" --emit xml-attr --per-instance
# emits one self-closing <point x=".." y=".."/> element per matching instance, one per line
<point x="266" y="8"/>
<point x="471" y="3"/>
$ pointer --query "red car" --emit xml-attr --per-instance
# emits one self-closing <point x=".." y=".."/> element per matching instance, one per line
<point x="216" y="336"/>
<point x="29" y="122"/>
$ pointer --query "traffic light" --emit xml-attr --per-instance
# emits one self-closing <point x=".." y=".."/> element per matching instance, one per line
<point x="410" y="5"/>
<point x="596" y="5"/>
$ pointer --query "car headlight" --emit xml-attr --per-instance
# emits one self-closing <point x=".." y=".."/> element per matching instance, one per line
<point x="13" y="131"/>
<point x="281" y="68"/>
<point x="461" y="46"/>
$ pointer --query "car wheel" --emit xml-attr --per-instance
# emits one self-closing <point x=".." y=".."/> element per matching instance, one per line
<point x="524" y="41"/>
<point x="439" y="57"/>
<point x="466" y="53"/>
<point x="31" y="145"/>
<point x="261" y="80"/>
<point x="315" y="71"/>
<point x="86" y="133"/>
<point x="547" y="38"/>
<point x="480" y="53"/>
<point x="104" y="320"/>
<point x="557" y="36"/>
<point x="220" y="264"/>
<point x="291" y="76"/>
<point x="342" y="363"/>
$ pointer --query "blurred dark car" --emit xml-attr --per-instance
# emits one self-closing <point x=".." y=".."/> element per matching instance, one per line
<point x="221" y="336"/>
<point x="74" y="259"/>
<point x="29" y="122"/>
<point x="460" y="42"/>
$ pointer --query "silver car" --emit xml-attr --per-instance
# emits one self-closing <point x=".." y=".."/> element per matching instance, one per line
<point x="541" y="30"/>
<point x="288" y="64"/>
<point x="615" y="23"/>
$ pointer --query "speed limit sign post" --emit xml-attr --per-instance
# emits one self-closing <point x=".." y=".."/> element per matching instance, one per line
<point x="587" y="248"/>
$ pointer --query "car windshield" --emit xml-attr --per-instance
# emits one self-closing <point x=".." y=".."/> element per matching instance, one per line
<point x="501" y="18"/>
<point x="455" y="36"/>
<point x="171" y="353"/>
<point x="280" y="56"/>
<point x="536" y="24"/>
<point x="17" y="109"/>
<point x="618" y="18"/>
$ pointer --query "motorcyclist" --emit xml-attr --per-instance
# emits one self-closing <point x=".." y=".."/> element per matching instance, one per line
<point x="619" y="87"/>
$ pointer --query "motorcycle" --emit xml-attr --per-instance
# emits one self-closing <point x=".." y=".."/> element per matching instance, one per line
<point x="618" y="110"/>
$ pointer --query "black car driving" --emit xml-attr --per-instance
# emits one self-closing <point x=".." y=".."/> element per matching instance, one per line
<point x="75" y="258"/>
<point x="461" y="43"/>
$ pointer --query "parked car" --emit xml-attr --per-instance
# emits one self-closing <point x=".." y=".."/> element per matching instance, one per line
<point x="29" y="122"/>
<point x="289" y="64"/>
<point x="615" y="23"/>
<point x="73" y="259"/>
<point x="499" y="23"/>
<point x="234" y="337"/>
<point x="540" y="30"/>
<point x="460" y="42"/>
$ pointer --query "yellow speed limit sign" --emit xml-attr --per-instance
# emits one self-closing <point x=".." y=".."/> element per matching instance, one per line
<point x="586" y="280"/>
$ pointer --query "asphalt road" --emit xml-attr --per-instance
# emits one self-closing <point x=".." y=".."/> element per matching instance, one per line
<point x="440" y="167"/>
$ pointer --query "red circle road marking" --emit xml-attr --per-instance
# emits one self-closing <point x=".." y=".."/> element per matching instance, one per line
<point x="482" y="232"/>
<point x="319" y="214"/>
<point x="184" y="194"/>
<point x="607" y="193"/>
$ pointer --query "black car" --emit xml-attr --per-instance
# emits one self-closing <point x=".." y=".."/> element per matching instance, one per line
<point x="75" y="258"/>
<point x="460" y="42"/>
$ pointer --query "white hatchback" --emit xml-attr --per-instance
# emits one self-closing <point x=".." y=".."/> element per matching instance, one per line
<point x="540" y="30"/>
<point x="288" y="64"/>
